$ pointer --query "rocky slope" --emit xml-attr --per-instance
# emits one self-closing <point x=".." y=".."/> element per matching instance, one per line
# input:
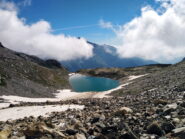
<point x="159" y="77"/>
<point x="25" y="75"/>
<point x="144" y="116"/>
<point x="171" y="79"/>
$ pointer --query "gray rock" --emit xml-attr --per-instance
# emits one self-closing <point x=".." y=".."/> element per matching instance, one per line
<point x="79" y="136"/>
<point x="155" y="128"/>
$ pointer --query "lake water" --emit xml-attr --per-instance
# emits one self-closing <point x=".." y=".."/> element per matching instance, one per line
<point x="82" y="83"/>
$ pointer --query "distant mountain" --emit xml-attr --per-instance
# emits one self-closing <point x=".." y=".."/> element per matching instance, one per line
<point x="104" y="56"/>
<point x="30" y="76"/>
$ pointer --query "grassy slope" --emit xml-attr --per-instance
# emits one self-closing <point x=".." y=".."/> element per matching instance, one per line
<point x="122" y="73"/>
<point x="16" y="71"/>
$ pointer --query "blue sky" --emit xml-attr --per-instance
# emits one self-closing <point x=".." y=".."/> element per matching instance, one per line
<point x="149" y="29"/>
<point x="72" y="13"/>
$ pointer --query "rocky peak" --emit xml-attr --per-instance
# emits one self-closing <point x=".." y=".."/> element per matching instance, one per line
<point x="1" y="45"/>
<point x="53" y="63"/>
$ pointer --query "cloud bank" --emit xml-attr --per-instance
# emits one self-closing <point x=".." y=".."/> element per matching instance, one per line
<point x="37" y="39"/>
<point x="158" y="34"/>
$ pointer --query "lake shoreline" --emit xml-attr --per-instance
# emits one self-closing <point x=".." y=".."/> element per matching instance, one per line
<point x="85" y="83"/>
<point x="63" y="95"/>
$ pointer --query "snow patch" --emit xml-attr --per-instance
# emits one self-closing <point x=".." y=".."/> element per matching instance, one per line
<point x="4" y="105"/>
<point x="26" y="111"/>
<point x="67" y="94"/>
<point x="133" y="77"/>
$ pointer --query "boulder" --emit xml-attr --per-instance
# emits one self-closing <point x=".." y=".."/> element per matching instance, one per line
<point x="71" y="132"/>
<point x="167" y="127"/>
<point x="169" y="108"/>
<point x="128" y="135"/>
<point x="154" y="128"/>
<point x="37" y="130"/>
<point x="123" y="111"/>
<point x="179" y="132"/>
<point x="4" y="134"/>
<point x="160" y="101"/>
<point x="79" y="136"/>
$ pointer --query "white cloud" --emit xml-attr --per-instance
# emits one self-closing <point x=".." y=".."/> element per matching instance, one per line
<point x="104" y="24"/>
<point x="37" y="39"/>
<point x="7" y="5"/>
<point x="156" y="34"/>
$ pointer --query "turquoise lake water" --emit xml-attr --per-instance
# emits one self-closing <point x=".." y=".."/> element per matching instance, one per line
<point x="82" y="83"/>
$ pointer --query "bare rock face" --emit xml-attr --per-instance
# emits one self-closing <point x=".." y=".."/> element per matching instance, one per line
<point x="183" y="59"/>
<point x="53" y="63"/>
<point x="1" y="45"/>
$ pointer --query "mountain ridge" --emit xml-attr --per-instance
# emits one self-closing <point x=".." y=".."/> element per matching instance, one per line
<point x="104" y="56"/>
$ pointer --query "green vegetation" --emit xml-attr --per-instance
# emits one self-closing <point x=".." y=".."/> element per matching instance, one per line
<point x="122" y="73"/>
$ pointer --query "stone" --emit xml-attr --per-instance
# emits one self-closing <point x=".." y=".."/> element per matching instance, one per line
<point x="15" y="137"/>
<point x="181" y="112"/>
<point x="179" y="130"/>
<point x="122" y="111"/>
<point x="176" y="120"/>
<point x="171" y="106"/>
<point x="102" y="117"/>
<point x="154" y="128"/>
<point x="163" y="137"/>
<point x="108" y="130"/>
<point x="182" y="104"/>
<point x="79" y="136"/>
<point x="168" y="117"/>
<point x="168" y="111"/>
<point x="74" y="121"/>
<point x="95" y="119"/>
<point x="52" y="131"/>
<point x="4" y="134"/>
<point x="71" y="132"/>
<point x="128" y="136"/>
<point x="40" y="129"/>
<point x="160" y="101"/>
<point x="167" y="127"/>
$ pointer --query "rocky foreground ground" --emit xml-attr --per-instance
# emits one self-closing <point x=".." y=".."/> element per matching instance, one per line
<point x="149" y="115"/>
